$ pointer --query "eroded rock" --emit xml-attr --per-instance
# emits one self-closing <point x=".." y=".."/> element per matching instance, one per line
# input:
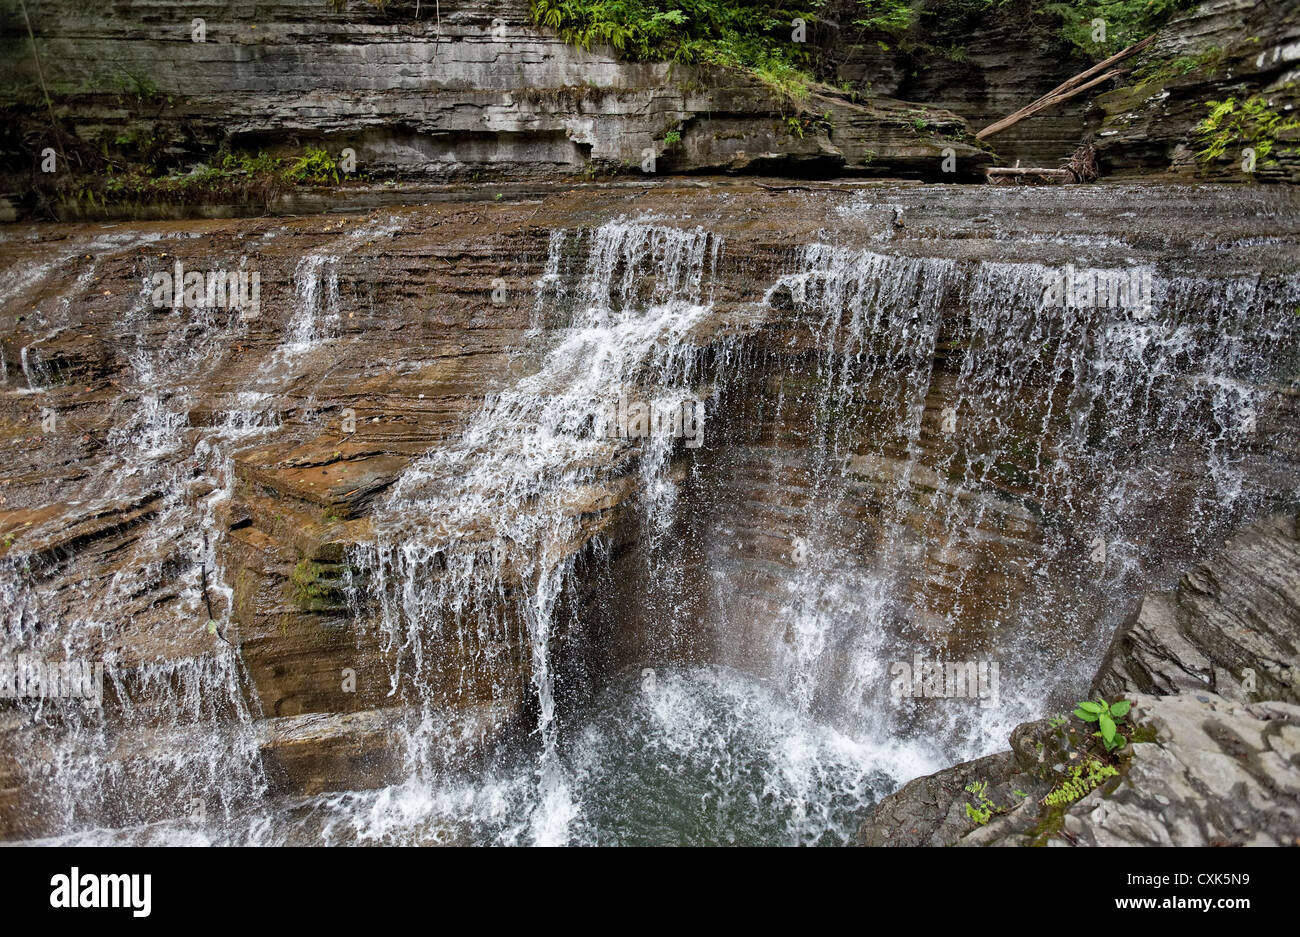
<point x="1203" y="768"/>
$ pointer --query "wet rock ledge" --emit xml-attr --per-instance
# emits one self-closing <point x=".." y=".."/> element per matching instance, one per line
<point x="1213" y="670"/>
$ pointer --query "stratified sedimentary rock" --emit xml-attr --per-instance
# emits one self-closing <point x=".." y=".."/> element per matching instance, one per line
<point x="1205" y="767"/>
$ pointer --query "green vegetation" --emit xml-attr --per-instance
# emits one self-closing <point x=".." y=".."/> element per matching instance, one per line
<point x="755" y="37"/>
<point x="1165" y="70"/>
<point x="983" y="808"/>
<point x="1093" y="764"/>
<point x="133" y="87"/>
<point x="1126" y="21"/>
<point x="131" y="170"/>
<point x="1082" y="780"/>
<point x="317" y="586"/>
<point x="1107" y="716"/>
<point x="248" y="163"/>
<point x="886" y="16"/>
<point x="315" y="167"/>
<point x="1251" y="123"/>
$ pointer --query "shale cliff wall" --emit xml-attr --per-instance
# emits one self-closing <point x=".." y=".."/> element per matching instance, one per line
<point x="478" y="91"/>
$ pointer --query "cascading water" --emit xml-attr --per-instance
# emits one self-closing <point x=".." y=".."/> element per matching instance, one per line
<point x="95" y="768"/>
<point x="1012" y="469"/>
<point x="907" y="458"/>
<point x="175" y="745"/>
<point x="493" y="521"/>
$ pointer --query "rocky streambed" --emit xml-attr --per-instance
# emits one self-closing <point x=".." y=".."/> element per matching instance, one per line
<point x="360" y="565"/>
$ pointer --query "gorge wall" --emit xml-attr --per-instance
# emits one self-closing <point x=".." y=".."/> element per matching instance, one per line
<point x="479" y="92"/>
<point x="475" y="91"/>
<point x="1225" y="50"/>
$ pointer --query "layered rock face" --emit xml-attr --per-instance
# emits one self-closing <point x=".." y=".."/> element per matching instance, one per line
<point x="986" y="64"/>
<point x="979" y="63"/>
<point x="475" y="91"/>
<point x="1218" y="50"/>
<point x="472" y="91"/>
<point x="272" y="524"/>
<point x="1210" y="667"/>
<point x="1229" y="626"/>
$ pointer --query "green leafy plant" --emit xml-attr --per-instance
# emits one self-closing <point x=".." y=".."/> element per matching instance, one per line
<point x="1082" y="780"/>
<point x="1107" y="716"/>
<point x="247" y="163"/>
<point x="984" y="808"/>
<point x="673" y="136"/>
<point x="753" y="37"/>
<point x="315" y="167"/>
<point x="1126" y="21"/>
<point x="1250" y="123"/>
<point x="1162" y="70"/>
<point x="888" y="16"/>
<point x="129" y="85"/>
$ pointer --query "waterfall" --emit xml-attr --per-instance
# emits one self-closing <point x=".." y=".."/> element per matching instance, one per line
<point x="1009" y="438"/>
<point x="318" y="302"/>
<point x="174" y="753"/>
<point x="478" y="537"/>
<point x="317" y="311"/>
<point x="174" y="731"/>
<point x="657" y="585"/>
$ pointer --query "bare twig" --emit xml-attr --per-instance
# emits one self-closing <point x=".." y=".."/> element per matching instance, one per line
<point x="40" y="74"/>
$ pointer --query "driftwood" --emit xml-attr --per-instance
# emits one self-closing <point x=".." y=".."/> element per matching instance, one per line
<point x="1057" y="175"/>
<point x="1080" y="167"/>
<point x="1080" y="83"/>
<point x="1083" y="163"/>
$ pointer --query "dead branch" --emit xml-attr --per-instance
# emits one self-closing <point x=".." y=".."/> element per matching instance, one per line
<point x="1067" y="89"/>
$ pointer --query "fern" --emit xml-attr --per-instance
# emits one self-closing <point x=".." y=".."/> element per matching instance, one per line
<point x="1252" y="123"/>
<point x="1079" y="783"/>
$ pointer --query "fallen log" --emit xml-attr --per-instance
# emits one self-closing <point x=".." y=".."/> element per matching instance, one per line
<point x="1029" y="171"/>
<point x="1017" y="175"/>
<point x="1043" y="104"/>
<point x="1080" y="167"/>
<point x="1067" y="89"/>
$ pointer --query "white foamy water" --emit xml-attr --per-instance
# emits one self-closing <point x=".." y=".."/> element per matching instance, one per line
<point x="1069" y="426"/>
